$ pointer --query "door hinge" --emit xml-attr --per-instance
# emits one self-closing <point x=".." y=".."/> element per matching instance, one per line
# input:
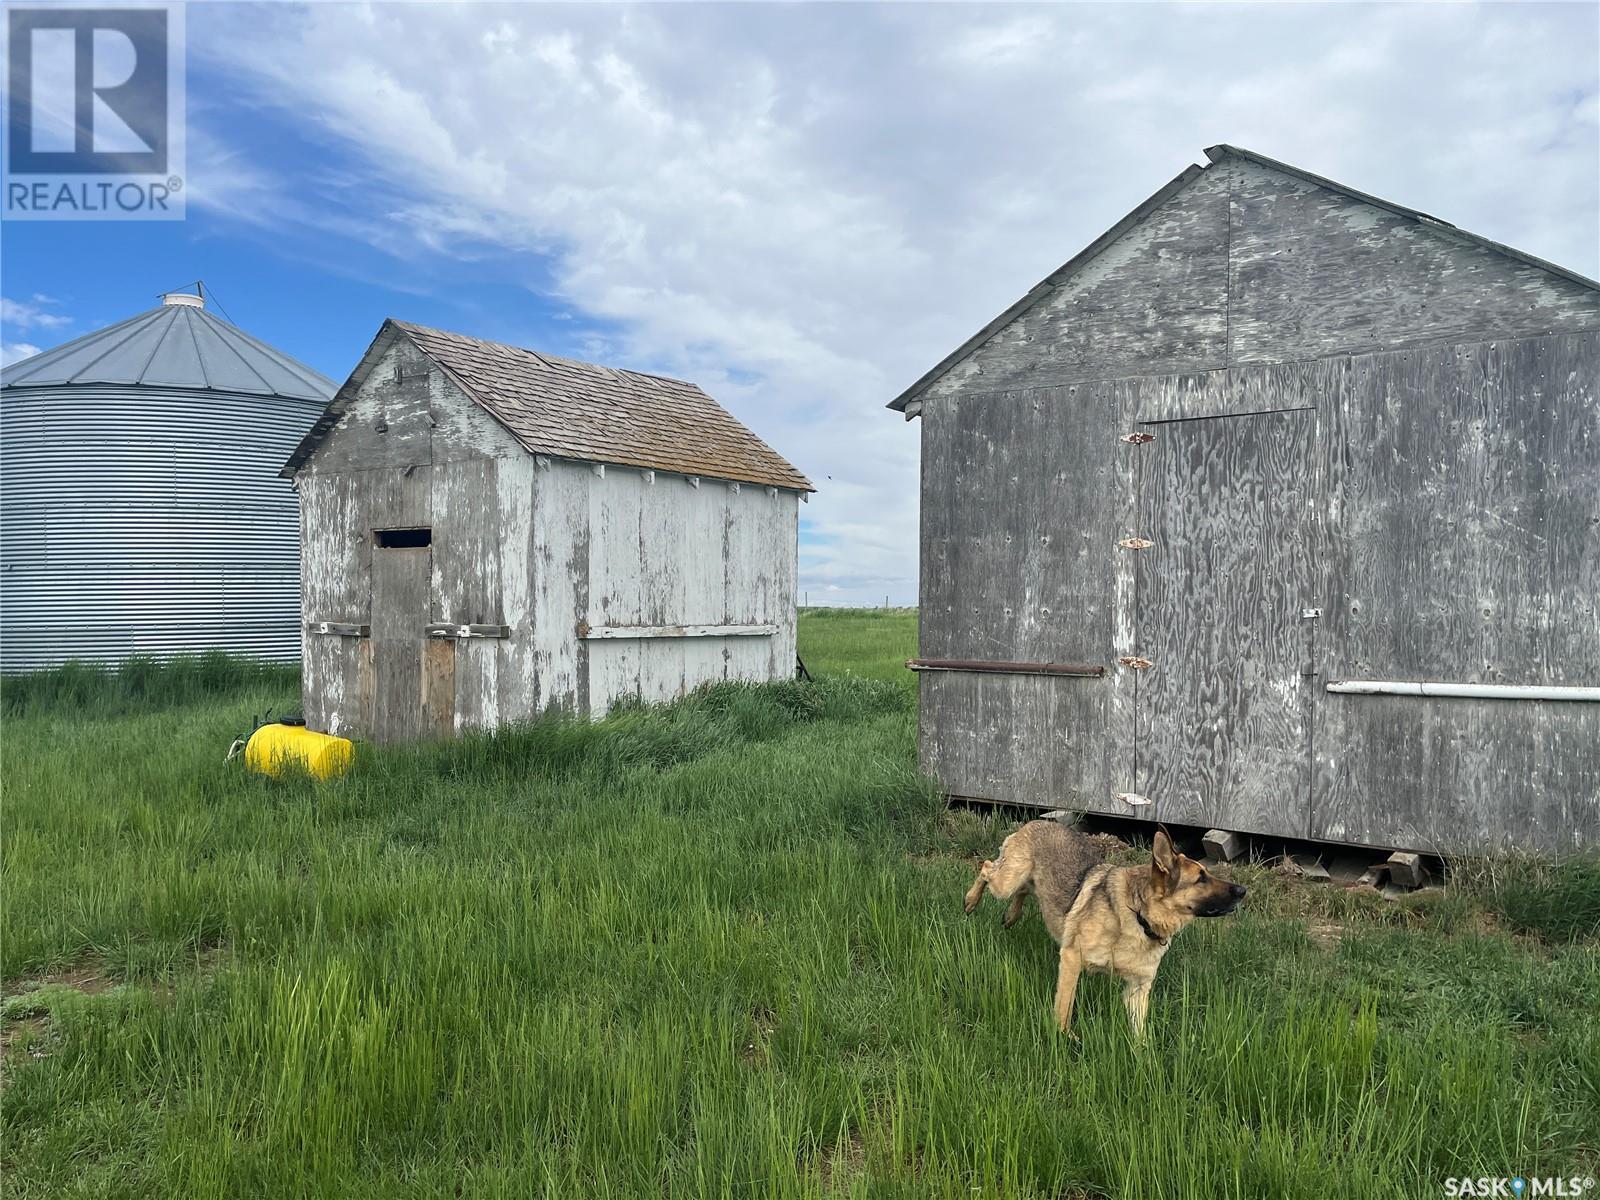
<point x="1135" y="543"/>
<point x="1138" y="439"/>
<point x="1134" y="661"/>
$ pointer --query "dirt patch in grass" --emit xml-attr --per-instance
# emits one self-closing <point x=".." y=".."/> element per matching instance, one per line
<point x="86" y="976"/>
<point x="24" y="1025"/>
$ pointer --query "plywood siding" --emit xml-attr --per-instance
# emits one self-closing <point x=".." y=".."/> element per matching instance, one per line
<point x="1440" y="506"/>
<point x="1313" y="272"/>
<point x="1020" y="564"/>
<point x="1225" y="708"/>
<point x="1464" y="492"/>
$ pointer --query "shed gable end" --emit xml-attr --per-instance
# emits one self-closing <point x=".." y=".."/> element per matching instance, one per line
<point x="407" y="412"/>
<point x="1153" y="300"/>
<point x="1253" y="262"/>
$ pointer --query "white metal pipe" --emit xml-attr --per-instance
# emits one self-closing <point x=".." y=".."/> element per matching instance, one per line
<point x="1464" y="691"/>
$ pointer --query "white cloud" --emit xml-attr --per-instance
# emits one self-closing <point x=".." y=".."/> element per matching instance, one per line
<point x="11" y="352"/>
<point x="32" y="314"/>
<point x="804" y="207"/>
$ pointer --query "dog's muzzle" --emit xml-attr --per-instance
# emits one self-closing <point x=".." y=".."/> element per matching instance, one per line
<point x="1225" y="904"/>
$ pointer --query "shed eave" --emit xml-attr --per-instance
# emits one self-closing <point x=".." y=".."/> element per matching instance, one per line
<point x="677" y="472"/>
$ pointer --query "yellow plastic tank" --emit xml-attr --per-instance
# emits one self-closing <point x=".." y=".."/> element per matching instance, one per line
<point x="272" y="748"/>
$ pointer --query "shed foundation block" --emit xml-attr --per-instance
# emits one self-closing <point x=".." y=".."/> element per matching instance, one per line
<point x="1406" y="869"/>
<point x="1222" y="845"/>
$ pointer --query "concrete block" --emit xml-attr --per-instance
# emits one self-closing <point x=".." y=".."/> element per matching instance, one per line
<point x="1406" y="869"/>
<point x="1222" y="844"/>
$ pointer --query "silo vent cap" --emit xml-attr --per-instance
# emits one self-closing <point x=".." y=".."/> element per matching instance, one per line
<point x="184" y="299"/>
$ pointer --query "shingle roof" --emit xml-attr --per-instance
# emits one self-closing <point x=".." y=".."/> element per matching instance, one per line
<point x="569" y="409"/>
<point x="178" y="345"/>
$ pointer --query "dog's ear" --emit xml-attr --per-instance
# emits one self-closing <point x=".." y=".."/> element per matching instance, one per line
<point x="1163" y="859"/>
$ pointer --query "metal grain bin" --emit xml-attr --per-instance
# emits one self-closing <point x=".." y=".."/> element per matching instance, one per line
<point x="141" y="512"/>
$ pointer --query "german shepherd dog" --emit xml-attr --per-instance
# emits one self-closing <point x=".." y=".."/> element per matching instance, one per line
<point x="1118" y="920"/>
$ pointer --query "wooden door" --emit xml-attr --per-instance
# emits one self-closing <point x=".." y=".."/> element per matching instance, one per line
<point x="1223" y="710"/>
<point x="401" y="578"/>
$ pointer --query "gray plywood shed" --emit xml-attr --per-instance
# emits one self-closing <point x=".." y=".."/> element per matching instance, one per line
<point x="1203" y="510"/>
<point x="488" y="533"/>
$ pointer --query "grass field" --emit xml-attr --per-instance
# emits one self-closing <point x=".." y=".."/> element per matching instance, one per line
<point x="710" y="949"/>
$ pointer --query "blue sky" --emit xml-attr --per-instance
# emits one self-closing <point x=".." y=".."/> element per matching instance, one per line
<point x="800" y="207"/>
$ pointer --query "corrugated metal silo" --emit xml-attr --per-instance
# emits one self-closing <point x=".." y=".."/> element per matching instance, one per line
<point x="141" y="512"/>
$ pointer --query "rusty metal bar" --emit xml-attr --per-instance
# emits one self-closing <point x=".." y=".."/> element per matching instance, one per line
<point x="979" y="667"/>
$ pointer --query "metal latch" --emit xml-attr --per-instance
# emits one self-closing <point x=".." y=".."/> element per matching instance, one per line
<point x="1310" y="614"/>
<point x="1134" y="661"/>
<point x="1132" y="798"/>
<point x="1135" y="543"/>
<point x="1138" y="439"/>
<point x="336" y="629"/>
<point x="467" y="631"/>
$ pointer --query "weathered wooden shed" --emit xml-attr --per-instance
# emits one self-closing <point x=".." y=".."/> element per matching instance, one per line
<point x="1277" y="509"/>
<point x="488" y="532"/>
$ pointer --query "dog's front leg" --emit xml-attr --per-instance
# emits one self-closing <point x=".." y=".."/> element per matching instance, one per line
<point x="979" y="886"/>
<point x="1136" y="998"/>
<point x="1067" y="985"/>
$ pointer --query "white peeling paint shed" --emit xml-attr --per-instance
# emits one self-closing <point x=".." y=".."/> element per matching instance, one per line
<point x="488" y="533"/>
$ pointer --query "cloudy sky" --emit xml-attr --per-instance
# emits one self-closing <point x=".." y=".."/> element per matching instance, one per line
<point x="800" y="207"/>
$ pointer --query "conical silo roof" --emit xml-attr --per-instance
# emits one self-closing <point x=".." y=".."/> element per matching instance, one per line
<point x="176" y="345"/>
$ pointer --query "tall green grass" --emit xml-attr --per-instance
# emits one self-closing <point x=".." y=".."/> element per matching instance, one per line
<point x="81" y="690"/>
<point x="869" y="642"/>
<point x="708" y="949"/>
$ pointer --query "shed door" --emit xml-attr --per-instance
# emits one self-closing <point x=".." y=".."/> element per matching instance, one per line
<point x="1223" y="713"/>
<point x="402" y="569"/>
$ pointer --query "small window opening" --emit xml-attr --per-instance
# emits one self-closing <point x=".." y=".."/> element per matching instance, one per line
<point x="403" y="539"/>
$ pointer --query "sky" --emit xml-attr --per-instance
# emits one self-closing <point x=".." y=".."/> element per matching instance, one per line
<point x="800" y="207"/>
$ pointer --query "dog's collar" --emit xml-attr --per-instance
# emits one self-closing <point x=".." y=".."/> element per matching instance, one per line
<point x="1145" y="925"/>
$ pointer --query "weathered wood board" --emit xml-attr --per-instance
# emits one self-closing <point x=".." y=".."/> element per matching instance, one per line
<point x="399" y="593"/>
<point x="659" y="550"/>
